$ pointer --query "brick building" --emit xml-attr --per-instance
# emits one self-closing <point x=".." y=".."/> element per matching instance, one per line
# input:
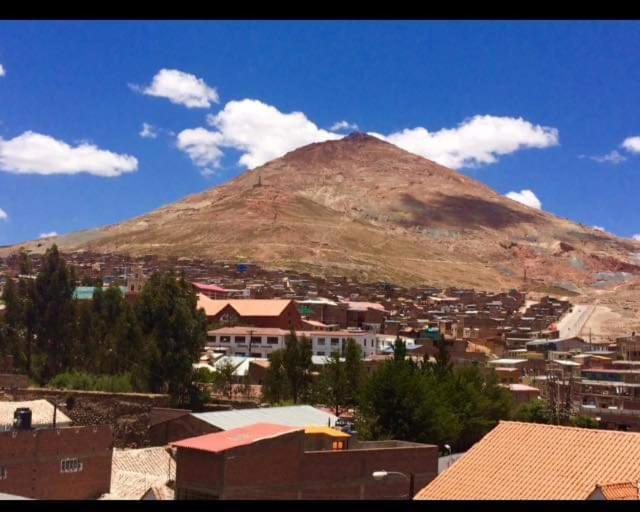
<point x="268" y="461"/>
<point x="70" y="463"/>
<point x="277" y="313"/>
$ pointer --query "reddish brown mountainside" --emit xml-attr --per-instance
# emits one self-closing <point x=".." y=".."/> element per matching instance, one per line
<point x="363" y="207"/>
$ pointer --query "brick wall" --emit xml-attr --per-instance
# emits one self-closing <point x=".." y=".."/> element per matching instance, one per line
<point x="152" y="400"/>
<point x="32" y="460"/>
<point x="13" y="380"/>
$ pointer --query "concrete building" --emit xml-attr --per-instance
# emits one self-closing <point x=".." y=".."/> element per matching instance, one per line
<point x="271" y="313"/>
<point x="260" y="342"/>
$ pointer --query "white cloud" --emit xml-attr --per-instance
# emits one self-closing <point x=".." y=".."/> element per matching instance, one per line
<point x="262" y="132"/>
<point x="148" y="131"/>
<point x="208" y="173"/>
<point x="34" y="153"/>
<point x="632" y="144"/>
<point x="598" y="228"/>
<point x="3" y="215"/>
<point x="181" y="88"/>
<point x="635" y="237"/>
<point x="2" y="71"/>
<point x="202" y="146"/>
<point x="614" y="157"/>
<point x="48" y="235"/>
<point x="343" y="125"/>
<point x="476" y="141"/>
<point x="526" y="197"/>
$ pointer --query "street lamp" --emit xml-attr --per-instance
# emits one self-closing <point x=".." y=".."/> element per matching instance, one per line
<point x="448" y="448"/>
<point x="382" y="475"/>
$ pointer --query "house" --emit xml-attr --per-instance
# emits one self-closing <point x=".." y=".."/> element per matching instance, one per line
<point x="69" y="463"/>
<point x="522" y="393"/>
<point x="530" y="461"/>
<point x="135" y="472"/>
<point x="274" y="313"/>
<point x="211" y="290"/>
<point x="271" y="461"/>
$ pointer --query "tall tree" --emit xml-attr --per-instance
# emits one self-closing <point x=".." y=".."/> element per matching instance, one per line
<point x="297" y="365"/>
<point x="175" y="331"/>
<point x="275" y="385"/>
<point x="354" y="371"/>
<point x="333" y="384"/>
<point x="54" y="290"/>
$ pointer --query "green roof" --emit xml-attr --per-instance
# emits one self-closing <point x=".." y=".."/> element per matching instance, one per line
<point x="86" y="292"/>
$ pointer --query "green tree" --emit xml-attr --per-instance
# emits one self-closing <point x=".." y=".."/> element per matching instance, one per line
<point x="296" y="360"/>
<point x="174" y="331"/>
<point x="333" y="384"/>
<point x="275" y="385"/>
<point x="534" y="411"/>
<point x="354" y="372"/>
<point x="55" y="314"/>
<point x="224" y="377"/>
<point x="399" y="349"/>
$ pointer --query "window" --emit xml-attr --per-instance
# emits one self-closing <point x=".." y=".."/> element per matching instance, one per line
<point x="213" y="338"/>
<point x="335" y="341"/>
<point x="256" y="339"/>
<point x="225" y="339"/>
<point x="321" y="353"/>
<point x="241" y="354"/>
<point x="256" y="354"/>
<point x="272" y="340"/>
<point x="320" y="341"/>
<point x="3" y="473"/>
<point x="70" y="466"/>
<point x="240" y="339"/>
<point x="338" y="445"/>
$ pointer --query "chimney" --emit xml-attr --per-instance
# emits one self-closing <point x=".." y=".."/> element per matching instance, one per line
<point x="22" y="418"/>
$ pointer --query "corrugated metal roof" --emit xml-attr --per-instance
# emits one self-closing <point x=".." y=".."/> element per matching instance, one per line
<point x="234" y="438"/>
<point x="10" y="497"/>
<point x="292" y="416"/>
<point x="86" y="292"/>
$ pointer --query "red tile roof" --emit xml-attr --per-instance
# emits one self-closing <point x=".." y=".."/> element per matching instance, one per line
<point x="234" y="438"/>
<point x="620" y="491"/>
<point x="533" y="461"/>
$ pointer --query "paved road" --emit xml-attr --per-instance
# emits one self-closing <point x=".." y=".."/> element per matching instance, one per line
<point x="572" y="323"/>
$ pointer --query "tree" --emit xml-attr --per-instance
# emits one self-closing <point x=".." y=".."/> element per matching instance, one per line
<point x="443" y="364"/>
<point x="174" y="331"/>
<point x="55" y="314"/>
<point x="25" y="266"/>
<point x="224" y="377"/>
<point x="354" y="372"/>
<point x="399" y="349"/>
<point x="534" y="411"/>
<point x="296" y="360"/>
<point x="333" y="384"/>
<point x="275" y="386"/>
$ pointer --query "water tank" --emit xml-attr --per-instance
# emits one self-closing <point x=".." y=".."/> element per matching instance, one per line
<point x="22" y="418"/>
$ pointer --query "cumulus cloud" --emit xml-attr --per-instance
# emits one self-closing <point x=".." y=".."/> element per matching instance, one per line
<point x="34" y="153"/>
<point x="526" y="197"/>
<point x="202" y="146"/>
<point x="598" y="228"/>
<point x="180" y="88"/>
<point x="614" y="157"/>
<point x="148" y="131"/>
<point x="632" y="144"/>
<point x="636" y="237"/>
<point x="208" y="173"/>
<point x="476" y="141"/>
<point x="343" y="125"/>
<point x="48" y="235"/>
<point x="3" y="215"/>
<point x="259" y="131"/>
<point x="2" y="71"/>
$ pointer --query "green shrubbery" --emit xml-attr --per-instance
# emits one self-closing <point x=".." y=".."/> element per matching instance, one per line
<point x="89" y="382"/>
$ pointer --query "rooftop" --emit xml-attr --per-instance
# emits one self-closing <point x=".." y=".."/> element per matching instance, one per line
<point x="292" y="416"/>
<point x="221" y="441"/>
<point x="244" y="307"/>
<point x="41" y="414"/>
<point x="620" y="491"/>
<point x="546" y="462"/>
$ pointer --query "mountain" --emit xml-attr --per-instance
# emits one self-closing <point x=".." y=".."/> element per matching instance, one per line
<point x="362" y="207"/>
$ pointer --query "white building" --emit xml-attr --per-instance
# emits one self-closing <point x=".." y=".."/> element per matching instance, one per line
<point x="261" y="341"/>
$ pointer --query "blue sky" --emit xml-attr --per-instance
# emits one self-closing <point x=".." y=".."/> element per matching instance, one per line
<point x="533" y="106"/>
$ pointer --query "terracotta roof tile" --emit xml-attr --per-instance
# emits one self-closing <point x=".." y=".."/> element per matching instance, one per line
<point x="244" y="307"/>
<point x="532" y="461"/>
<point x="620" y="491"/>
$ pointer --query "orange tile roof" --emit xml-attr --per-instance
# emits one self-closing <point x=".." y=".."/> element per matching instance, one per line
<point x="244" y="307"/>
<point x="620" y="491"/>
<point x="533" y="461"/>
